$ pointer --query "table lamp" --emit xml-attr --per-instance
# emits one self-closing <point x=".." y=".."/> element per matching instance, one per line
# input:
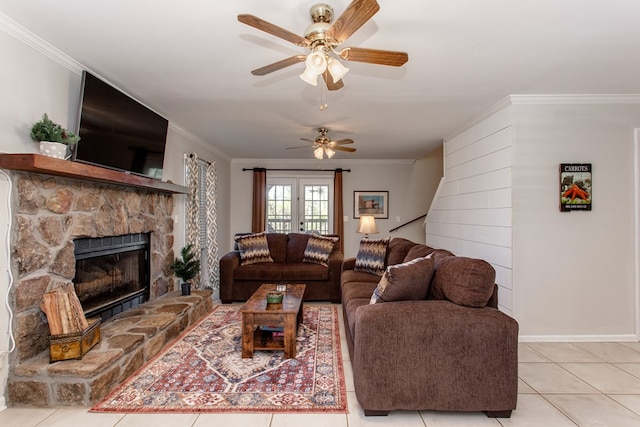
<point x="367" y="225"/>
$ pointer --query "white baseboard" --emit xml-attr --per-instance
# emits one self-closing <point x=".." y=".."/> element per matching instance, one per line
<point x="578" y="338"/>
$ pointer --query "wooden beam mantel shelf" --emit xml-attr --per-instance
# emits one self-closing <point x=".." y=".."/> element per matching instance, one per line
<point x="37" y="163"/>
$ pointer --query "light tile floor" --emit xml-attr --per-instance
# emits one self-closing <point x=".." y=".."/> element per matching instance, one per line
<point x="561" y="384"/>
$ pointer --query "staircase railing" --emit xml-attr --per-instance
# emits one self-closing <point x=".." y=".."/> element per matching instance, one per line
<point x="407" y="223"/>
<point x="435" y="197"/>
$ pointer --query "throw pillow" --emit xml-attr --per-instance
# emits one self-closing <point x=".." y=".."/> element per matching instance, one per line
<point x="371" y="256"/>
<point x="465" y="281"/>
<point x="253" y="248"/>
<point x="397" y="250"/>
<point x="319" y="249"/>
<point x="435" y="290"/>
<point x="406" y="281"/>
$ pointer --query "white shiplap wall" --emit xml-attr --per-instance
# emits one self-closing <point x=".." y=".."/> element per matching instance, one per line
<point x="471" y="214"/>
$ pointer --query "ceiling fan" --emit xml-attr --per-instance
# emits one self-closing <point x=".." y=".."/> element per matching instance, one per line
<point x="324" y="146"/>
<point x="322" y="38"/>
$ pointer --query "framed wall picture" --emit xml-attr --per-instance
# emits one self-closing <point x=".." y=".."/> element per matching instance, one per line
<point x="575" y="187"/>
<point x="374" y="203"/>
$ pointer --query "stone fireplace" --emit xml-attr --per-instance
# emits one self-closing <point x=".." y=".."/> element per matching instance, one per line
<point x="50" y="213"/>
<point x="60" y="209"/>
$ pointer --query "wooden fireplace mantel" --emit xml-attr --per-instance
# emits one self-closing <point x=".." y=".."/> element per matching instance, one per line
<point x="37" y="163"/>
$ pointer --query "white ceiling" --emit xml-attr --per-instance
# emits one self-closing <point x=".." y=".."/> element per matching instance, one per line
<point x="191" y="60"/>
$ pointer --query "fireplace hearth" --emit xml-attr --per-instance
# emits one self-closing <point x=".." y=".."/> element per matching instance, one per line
<point x="112" y="273"/>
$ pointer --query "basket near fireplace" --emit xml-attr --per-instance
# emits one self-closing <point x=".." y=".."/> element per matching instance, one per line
<point x="72" y="334"/>
<point x="186" y="268"/>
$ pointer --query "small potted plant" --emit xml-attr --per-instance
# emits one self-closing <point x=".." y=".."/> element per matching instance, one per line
<point x="186" y="268"/>
<point x="53" y="138"/>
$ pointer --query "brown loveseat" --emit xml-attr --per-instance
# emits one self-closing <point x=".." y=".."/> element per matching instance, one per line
<point x="430" y="353"/>
<point x="238" y="282"/>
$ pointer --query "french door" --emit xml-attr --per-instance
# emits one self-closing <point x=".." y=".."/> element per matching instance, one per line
<point x="302" y="205"/>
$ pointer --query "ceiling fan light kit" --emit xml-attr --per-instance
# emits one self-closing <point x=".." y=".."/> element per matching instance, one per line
<point x="323" y="146"/>
<point x="320" y="152"/>
<point x="322" y="37"/>
<point x="317" y="63"/>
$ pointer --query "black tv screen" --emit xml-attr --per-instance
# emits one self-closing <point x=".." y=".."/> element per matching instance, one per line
<point x="118" y="132"/>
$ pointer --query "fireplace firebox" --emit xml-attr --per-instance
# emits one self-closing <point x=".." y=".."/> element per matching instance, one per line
<point x="112" y="273"/>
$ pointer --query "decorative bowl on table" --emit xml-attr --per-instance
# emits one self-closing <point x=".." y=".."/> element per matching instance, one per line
<point x="274" y="297"/>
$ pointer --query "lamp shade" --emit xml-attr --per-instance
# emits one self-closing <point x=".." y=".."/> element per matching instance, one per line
<point x="329" y="152"/>
<point x="309" y="77"/>
<point x="317" y="153"/>
<point x="367" y="225"/>
<point x="316" y="62"/>
<point x="336" y="69"/>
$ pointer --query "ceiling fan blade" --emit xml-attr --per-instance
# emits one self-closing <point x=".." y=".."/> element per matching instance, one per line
<point x="331" y="85"/>
<point x="354" y="17"/>
<point x="307" y="139"/>
<point x="343" y="141"/>
<point x="278" y="65"/>
<point x="272" y="29"/>
<point x="347" y="149"/>
<point x="374" y="56"/>
<point x="301" y="146"/>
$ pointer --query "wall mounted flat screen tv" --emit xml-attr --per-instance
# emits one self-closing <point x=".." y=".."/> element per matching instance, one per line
<point x="118" y="132"/>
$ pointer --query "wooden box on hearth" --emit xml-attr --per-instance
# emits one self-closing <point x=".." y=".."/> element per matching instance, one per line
<point x="75" y="345"/>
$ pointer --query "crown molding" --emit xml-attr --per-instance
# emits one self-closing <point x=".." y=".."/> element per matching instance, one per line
<point x="320" y="164"/>
<point x="199" y="141"/>
<point x="581" y="99"/>
<point x="20" y="33"/>
<point x="575" y="99"/>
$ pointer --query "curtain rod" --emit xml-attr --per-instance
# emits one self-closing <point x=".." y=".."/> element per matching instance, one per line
<point x="298" y="170"/>
<point x="191" y="155"/>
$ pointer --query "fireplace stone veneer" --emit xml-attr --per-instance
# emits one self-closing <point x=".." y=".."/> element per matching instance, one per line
<point x="49" y="212"/>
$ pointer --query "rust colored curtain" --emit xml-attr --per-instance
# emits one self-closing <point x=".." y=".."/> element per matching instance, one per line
<point x="338" y="208"/>
<point x="259" y="215"/>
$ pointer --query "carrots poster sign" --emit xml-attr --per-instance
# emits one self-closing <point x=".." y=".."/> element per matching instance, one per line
<point x="575" y="187"/>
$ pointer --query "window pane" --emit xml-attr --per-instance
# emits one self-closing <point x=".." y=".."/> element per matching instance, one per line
<point x="316" y="208"/>
<point x="279" y="208"/>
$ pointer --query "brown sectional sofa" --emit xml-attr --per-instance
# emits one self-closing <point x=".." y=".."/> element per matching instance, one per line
<point x="238" y="282"/>
<point x="431" y="354"/>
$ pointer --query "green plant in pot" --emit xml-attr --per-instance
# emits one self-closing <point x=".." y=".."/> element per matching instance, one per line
<point x="186" y="268"/>
<point x="53" y="138"/>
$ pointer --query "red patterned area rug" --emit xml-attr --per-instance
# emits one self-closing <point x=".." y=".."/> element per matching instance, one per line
<point x="203" y="371"/>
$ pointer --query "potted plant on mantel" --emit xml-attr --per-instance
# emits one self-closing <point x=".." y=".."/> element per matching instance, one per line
<point x="186" y="268"/>
<point x="53" y="138"/>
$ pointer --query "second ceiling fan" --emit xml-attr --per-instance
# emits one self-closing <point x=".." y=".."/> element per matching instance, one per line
<point x="322" y="38"/>
<point x="325" y="146"/>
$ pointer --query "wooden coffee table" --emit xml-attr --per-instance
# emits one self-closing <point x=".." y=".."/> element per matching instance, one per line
<point x="256" y="312"/>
